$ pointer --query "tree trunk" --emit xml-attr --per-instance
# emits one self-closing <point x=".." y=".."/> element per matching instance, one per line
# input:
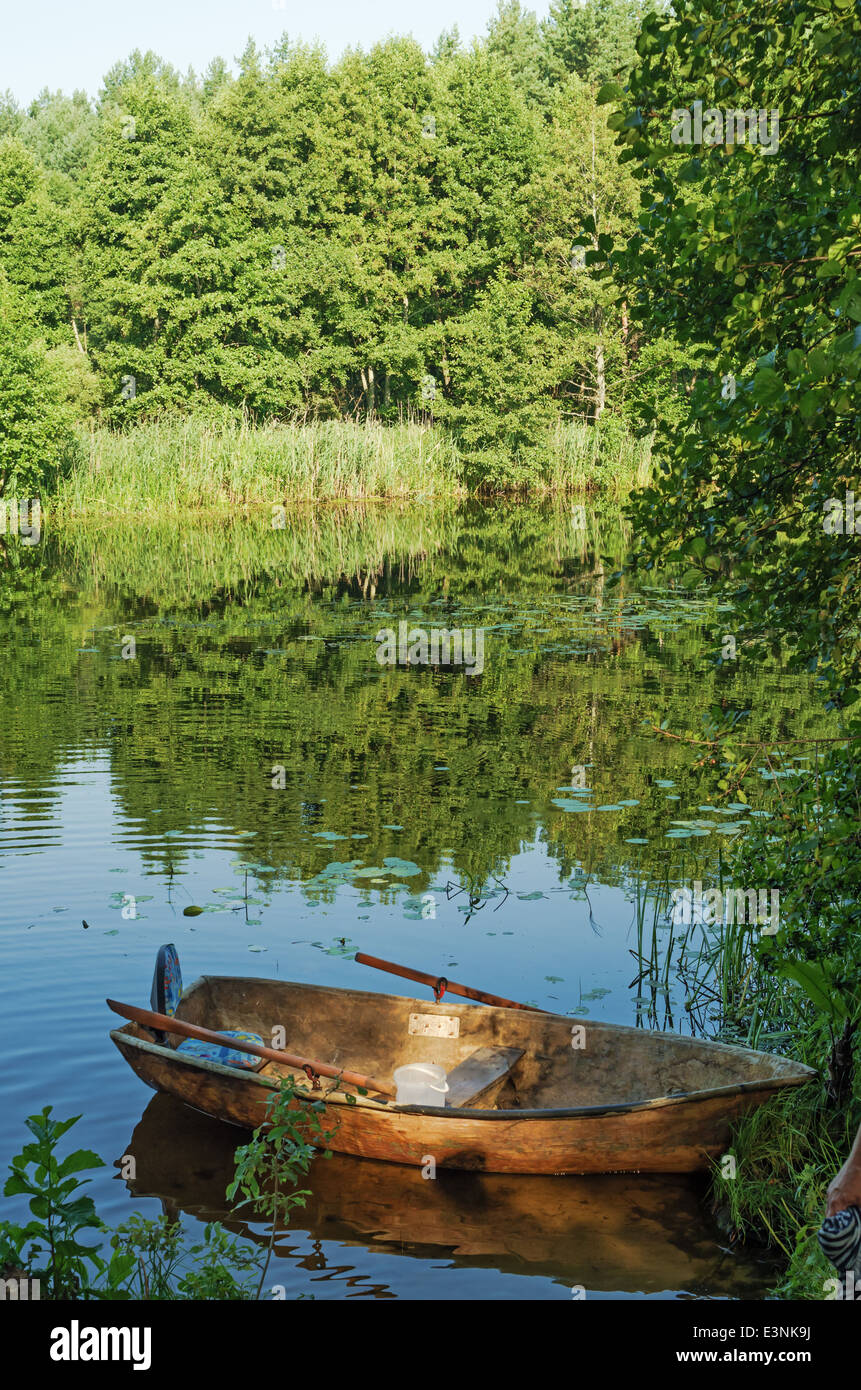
<point x="600" y="381"/>
<point x="840" y="1067"/>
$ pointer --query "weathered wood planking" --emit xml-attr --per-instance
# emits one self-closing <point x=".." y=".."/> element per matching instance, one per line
<point x="481" y="1076"/>
<point x="626" y="1100"/>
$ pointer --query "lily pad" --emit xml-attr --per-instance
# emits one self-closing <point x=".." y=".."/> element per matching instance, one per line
<point x="403" y="868"/>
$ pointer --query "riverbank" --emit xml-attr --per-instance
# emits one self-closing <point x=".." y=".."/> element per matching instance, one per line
<point x="191" y="465"/>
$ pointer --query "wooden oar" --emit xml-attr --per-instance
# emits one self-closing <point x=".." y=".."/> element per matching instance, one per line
<point x="440" y="985"/>
<point x="167" y="1024"/>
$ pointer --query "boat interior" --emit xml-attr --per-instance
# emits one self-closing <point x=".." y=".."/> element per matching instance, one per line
<point x="495" y="1058"/>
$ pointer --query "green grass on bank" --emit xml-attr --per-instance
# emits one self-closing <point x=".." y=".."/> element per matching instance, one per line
<point x="190" y="465"/>
<point x="786" y="1152"/>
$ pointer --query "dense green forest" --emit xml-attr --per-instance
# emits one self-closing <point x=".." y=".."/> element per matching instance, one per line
<point x="420" y="274"/>
<point x="388" y="237"/>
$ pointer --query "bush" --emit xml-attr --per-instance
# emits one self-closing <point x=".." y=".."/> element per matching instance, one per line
<point x="36" y="439"/>
<point x="498" y="407"/>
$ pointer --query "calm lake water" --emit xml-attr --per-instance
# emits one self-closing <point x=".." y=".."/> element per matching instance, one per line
<point x="254" y="758"/>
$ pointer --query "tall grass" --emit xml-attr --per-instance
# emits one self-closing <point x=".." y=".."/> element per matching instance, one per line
<point x="606" y="457"/>
<point x="786" y="1153"/>
<point x="181" y="465"/>
<point x="173" y="466"/>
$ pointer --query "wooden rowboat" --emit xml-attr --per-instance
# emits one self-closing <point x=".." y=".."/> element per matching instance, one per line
<point x="529" y="1092"/>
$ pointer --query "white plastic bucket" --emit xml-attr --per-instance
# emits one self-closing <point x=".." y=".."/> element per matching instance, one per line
<point x="421" y="1083"/>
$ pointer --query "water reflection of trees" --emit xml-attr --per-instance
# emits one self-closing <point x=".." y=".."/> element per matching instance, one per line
<point x="256" y="647"/>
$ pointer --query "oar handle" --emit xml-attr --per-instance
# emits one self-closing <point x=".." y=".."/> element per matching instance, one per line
<point x="440" y="984"/>
<point x="168" y="1024"/>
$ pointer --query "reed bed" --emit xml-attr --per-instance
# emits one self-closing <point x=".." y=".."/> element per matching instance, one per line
<point x="608" y="458"/>
<point x="173" y="466"/>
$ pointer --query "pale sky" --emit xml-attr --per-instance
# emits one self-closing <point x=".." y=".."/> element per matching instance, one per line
<point x="73" y="44"/>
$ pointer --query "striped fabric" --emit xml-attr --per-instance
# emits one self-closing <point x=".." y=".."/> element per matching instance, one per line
<point x="840" y="1239"/>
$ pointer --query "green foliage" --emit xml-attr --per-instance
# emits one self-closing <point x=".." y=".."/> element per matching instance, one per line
<point x="179" y="464"/>
<point x="60" y="131"/>
<point x="157" y="1262"/>
<point x="59" y="1212"/>
<point x="741" y="485"/>
<point x="593" y="38"/>
<point x="315" y="240"/>
<point x="815" y="863"/>
<point x="36" y="228"/>
<point x="515" y="36"/>
<point x="769" y="233"/>
<point x="148" y="1259"/>
<point x="771" y="241"/>
<point x="786" y="1152"/>
<point x="183" y="464"/>
<point x="36" y="439"/>
<point x="499" y="408"/>
<point x="278" y="1157"/>
<point x="76" y="385"/>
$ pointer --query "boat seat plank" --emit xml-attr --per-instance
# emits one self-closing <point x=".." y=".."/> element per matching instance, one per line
<point x="480" y="1076"/>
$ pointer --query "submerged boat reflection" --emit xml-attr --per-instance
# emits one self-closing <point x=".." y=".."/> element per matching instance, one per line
<point x="626" y="1234"/>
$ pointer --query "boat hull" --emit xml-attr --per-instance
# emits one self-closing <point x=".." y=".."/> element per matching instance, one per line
<point x="668" y="1135"/>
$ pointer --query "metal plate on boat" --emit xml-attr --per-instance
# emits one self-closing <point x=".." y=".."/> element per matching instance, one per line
<point x="434" y="1026"/>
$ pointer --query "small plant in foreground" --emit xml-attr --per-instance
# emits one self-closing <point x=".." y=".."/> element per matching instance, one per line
<point x="60" y="1213"/>
<point x="278" y="1156"/>
<point x="148" y="1259"/>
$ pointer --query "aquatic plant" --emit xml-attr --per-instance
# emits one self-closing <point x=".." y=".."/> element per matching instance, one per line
<point x="149" y="1259"/>
<point x="278" y="1156"/>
